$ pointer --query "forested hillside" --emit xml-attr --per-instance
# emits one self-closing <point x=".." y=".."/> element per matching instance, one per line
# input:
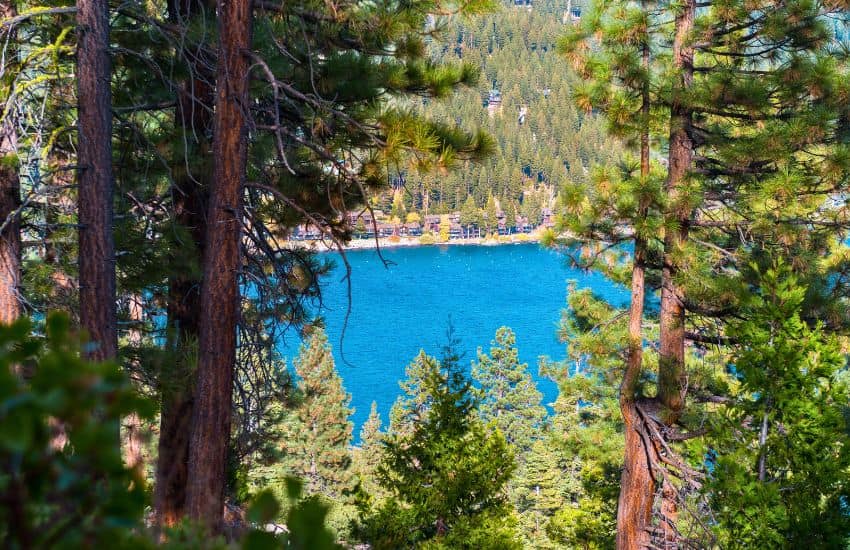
<point x="523" y="101"/>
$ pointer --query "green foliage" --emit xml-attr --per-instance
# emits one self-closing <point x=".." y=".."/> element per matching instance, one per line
<point x="587" y="434"/>
<point x="545" y="482"/>
<point x="781" y="461"/>
<point x="510" y="401"/>
<point x="317" y="431"/>
<point x="507" y="395"/>
<point x="80" y="494"/>
<point x="445" y="472"/>
<point x="304" y="521"/>
<point x="309" y="437"/>
<point x="367" y="456"/>
<point x="557" y="143"/>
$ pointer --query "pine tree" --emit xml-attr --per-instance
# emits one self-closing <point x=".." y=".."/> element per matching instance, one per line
<point x="222" y="260"/>
<point x="10" y="184"/>
<point x="191" y="166"/>
<point x="95" y="180"/>
<point x="735" y="81"/>
<point x="508" y="396"/>
<point x="318" y="431"/>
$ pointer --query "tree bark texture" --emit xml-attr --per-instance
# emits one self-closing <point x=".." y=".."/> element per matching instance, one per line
<point x="190" y="190"/>
<point x="10" y="185"/>
<point x="220" y="292"/>
<point x="671" y="364"/>
<point x="637" y="485"/>
<point x="94" y="179"/>
<point x="634" y="506"/>
<point x="672" y="377"/>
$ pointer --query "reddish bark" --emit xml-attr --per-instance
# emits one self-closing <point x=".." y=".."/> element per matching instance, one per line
<point x="220" y="292"/>
<point x="672" y="377"/>
<point x="190" y="190"/>
<point x="10" y="195"/>
<point x="671" y="364"/>
<point x="634" y="507"/>
<point x="94" y="179"/>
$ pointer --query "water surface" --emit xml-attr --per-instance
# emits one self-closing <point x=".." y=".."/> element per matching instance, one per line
<point x="400" y="309"/>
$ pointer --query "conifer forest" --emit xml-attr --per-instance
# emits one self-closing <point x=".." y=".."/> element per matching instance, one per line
<point x="181" y="182"/>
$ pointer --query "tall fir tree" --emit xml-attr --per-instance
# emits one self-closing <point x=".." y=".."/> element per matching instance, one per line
<point x="508" y="396"/>
<point x="316" y="436"/>
<point x="543" y="484"/>
<point x="510" y="401"/>
<point x="367" y="456"/>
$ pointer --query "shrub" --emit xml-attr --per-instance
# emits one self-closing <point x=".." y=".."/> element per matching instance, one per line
<point x="427" y="238"/>
<point x="80" y="495"/>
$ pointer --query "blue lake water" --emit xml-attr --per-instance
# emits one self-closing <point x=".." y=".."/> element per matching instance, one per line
<point x="400" y="309"/>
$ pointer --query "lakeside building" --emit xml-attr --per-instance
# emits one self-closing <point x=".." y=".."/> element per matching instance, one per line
<point x="368" y="225"/>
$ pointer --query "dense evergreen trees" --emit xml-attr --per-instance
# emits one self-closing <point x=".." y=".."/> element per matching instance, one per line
<point x="557" y="143"/>
<point x="782" y="450"/>
<point x="509" y="399"/>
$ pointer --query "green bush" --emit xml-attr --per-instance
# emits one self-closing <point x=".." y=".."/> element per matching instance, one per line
<point x="427" y="238"/>
<point x="80" y="495"/>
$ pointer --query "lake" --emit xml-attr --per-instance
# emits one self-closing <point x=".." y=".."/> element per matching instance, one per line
<point x="400" y="309"/>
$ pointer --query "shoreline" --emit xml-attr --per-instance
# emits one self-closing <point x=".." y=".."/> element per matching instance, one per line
<point x="406" y="242"/>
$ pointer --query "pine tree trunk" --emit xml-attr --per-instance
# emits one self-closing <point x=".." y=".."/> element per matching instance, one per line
<point x="220" y="292"/>
<point x="672" y="376"/>
<point x="634" y="507"/>
<point x="10" y="192"/>
<point x="94" y="154"/>
<point x="184" y="312"/>
<point x="190" y="194"/>
<point x="671" y="367"/>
